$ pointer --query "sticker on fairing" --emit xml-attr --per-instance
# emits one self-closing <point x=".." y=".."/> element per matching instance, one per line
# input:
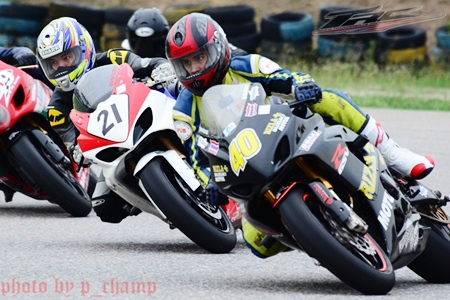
<point x="183" y="129"/>
<point x="267" y="66"/>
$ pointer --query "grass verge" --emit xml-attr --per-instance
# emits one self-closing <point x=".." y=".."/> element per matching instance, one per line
<point x="420" y="87"/>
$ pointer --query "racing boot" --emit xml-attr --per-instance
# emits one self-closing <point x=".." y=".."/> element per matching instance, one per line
<point x="261" y="245"/>
<point x="109" y="206"/>
<point x="408" y="163"/>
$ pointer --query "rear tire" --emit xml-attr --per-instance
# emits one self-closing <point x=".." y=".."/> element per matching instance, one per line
<point x="370" y="273"/>
<point x="58" y="183"/>
<point x="433" y="264"/>
<point x="212" y="232"/>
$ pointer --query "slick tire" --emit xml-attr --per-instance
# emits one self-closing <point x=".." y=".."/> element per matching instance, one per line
<point x="433" y="264"/>
<point x="43" y="172"/>
<point x="214" y="234"/>
<point x="308" y="228"/>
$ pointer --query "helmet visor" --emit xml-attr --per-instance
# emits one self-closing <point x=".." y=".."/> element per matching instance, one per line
<point x="62" y="64"/>
<point x="197" y="63"/>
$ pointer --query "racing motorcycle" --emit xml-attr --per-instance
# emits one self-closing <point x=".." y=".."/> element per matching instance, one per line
<point x="322" y="189"/>
<point x="126" y="128"/>
<point x="34" y="160"/>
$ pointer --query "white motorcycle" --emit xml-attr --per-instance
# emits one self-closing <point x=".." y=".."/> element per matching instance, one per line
<point x="126" y="129"/>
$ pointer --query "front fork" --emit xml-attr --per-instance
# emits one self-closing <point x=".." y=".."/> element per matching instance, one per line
<point x="323" y="190"/>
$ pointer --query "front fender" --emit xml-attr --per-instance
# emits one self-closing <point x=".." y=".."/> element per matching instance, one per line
<point x="178" y="164"/>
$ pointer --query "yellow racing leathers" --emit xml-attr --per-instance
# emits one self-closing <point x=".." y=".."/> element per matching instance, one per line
<point x="335" y="107"/>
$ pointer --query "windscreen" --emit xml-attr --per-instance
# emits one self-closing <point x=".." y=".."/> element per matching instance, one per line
<point x="223" y="106"/>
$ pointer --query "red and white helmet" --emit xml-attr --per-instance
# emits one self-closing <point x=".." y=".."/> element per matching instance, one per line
<point x="197" y="32"/>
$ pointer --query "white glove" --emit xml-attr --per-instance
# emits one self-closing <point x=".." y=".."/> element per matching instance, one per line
<point x="164" y="75"/>
<point x="77" y="156"/>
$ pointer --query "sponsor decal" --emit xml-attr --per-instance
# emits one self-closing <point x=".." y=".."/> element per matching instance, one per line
<point x="310" y="139"/>
<point x="7" y="85"/>
<point x="277" y="123"/>
<point x="384" y="216"/>
<point x="213" y="147"/>
<point x="369" y="179"/>
<point x="183" y="129"/>
<point x="230" y="127"/>
<point x="410" y="239"/>
<point x="320" y="192"/>
<point x="144" y="31"/>
<point x="47" y="52"/>
<point x="267" y="66"/>
<point x="423" y="191"/>
<point x="220" y="172"/>
<point x="251" y="110"/>
<point x="202" y="142"/>
<point x="253" y="93"/>
<point x="55" y="117"/>
<point x="264" y="110"/>
<point x="340" y="158"/>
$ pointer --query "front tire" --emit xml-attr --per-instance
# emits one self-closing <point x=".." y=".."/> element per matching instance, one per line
<point x="213" y="231"/>
<point x="57" y="182"/>
<point x="360" y="263"/>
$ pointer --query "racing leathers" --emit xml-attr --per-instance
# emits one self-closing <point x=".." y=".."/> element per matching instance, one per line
<point x="334" y="107"/>
<point x="108" y="206"/>
<point x="61" y="102"/>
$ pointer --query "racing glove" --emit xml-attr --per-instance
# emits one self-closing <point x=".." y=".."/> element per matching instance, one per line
<point x="308" y="93"/>
<point x="164" y="75"/>
<point x="77" y="156"/>
<point x="20" y="60"/>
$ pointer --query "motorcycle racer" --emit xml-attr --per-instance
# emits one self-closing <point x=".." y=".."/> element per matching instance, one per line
<point x="66" y="51"/>
<point x="200" y="55"/>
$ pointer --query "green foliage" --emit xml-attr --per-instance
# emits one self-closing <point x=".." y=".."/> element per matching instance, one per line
<point x="422" y="87"/>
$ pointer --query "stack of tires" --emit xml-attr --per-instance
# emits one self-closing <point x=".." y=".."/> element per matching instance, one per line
<point x="238" y="23"/>
<point x="441" y="52"/>
<point x="405" y="44"/>
<point x="114" y="28"/>
<point x="90" y="17"/>
<point x="236" y="20"/>
<point x="20" y="24"/>
<point x="343" y="47"/>
<point x="286" y="36"/>
<point x="174" y="12"/>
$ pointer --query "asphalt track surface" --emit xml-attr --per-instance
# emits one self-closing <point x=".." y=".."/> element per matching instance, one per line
<point x="46" y="254"/>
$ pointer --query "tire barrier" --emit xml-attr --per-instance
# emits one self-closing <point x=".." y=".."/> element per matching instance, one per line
<point x="440" y="56"/>
<point x="20" y="24"/>
<point x="174" y="12"/>
<point x="114" y="28"/>
<point x="344" y="47"/>
<point x="443" y="37"/>
<point x="238" y="23"/>
<point x="286" y="36"/>
<point x="92" y="18"/>
<point x="341" y="50"/>
<point x="282" y="36"/>
<point x="440" y="53"/>
<point x="406" y="44"/>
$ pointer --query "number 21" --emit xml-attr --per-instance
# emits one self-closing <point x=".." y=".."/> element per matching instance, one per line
<point x="105" y="113"/>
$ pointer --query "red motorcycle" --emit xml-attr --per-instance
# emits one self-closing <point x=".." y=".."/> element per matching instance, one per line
<point x="33" y="158"/>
